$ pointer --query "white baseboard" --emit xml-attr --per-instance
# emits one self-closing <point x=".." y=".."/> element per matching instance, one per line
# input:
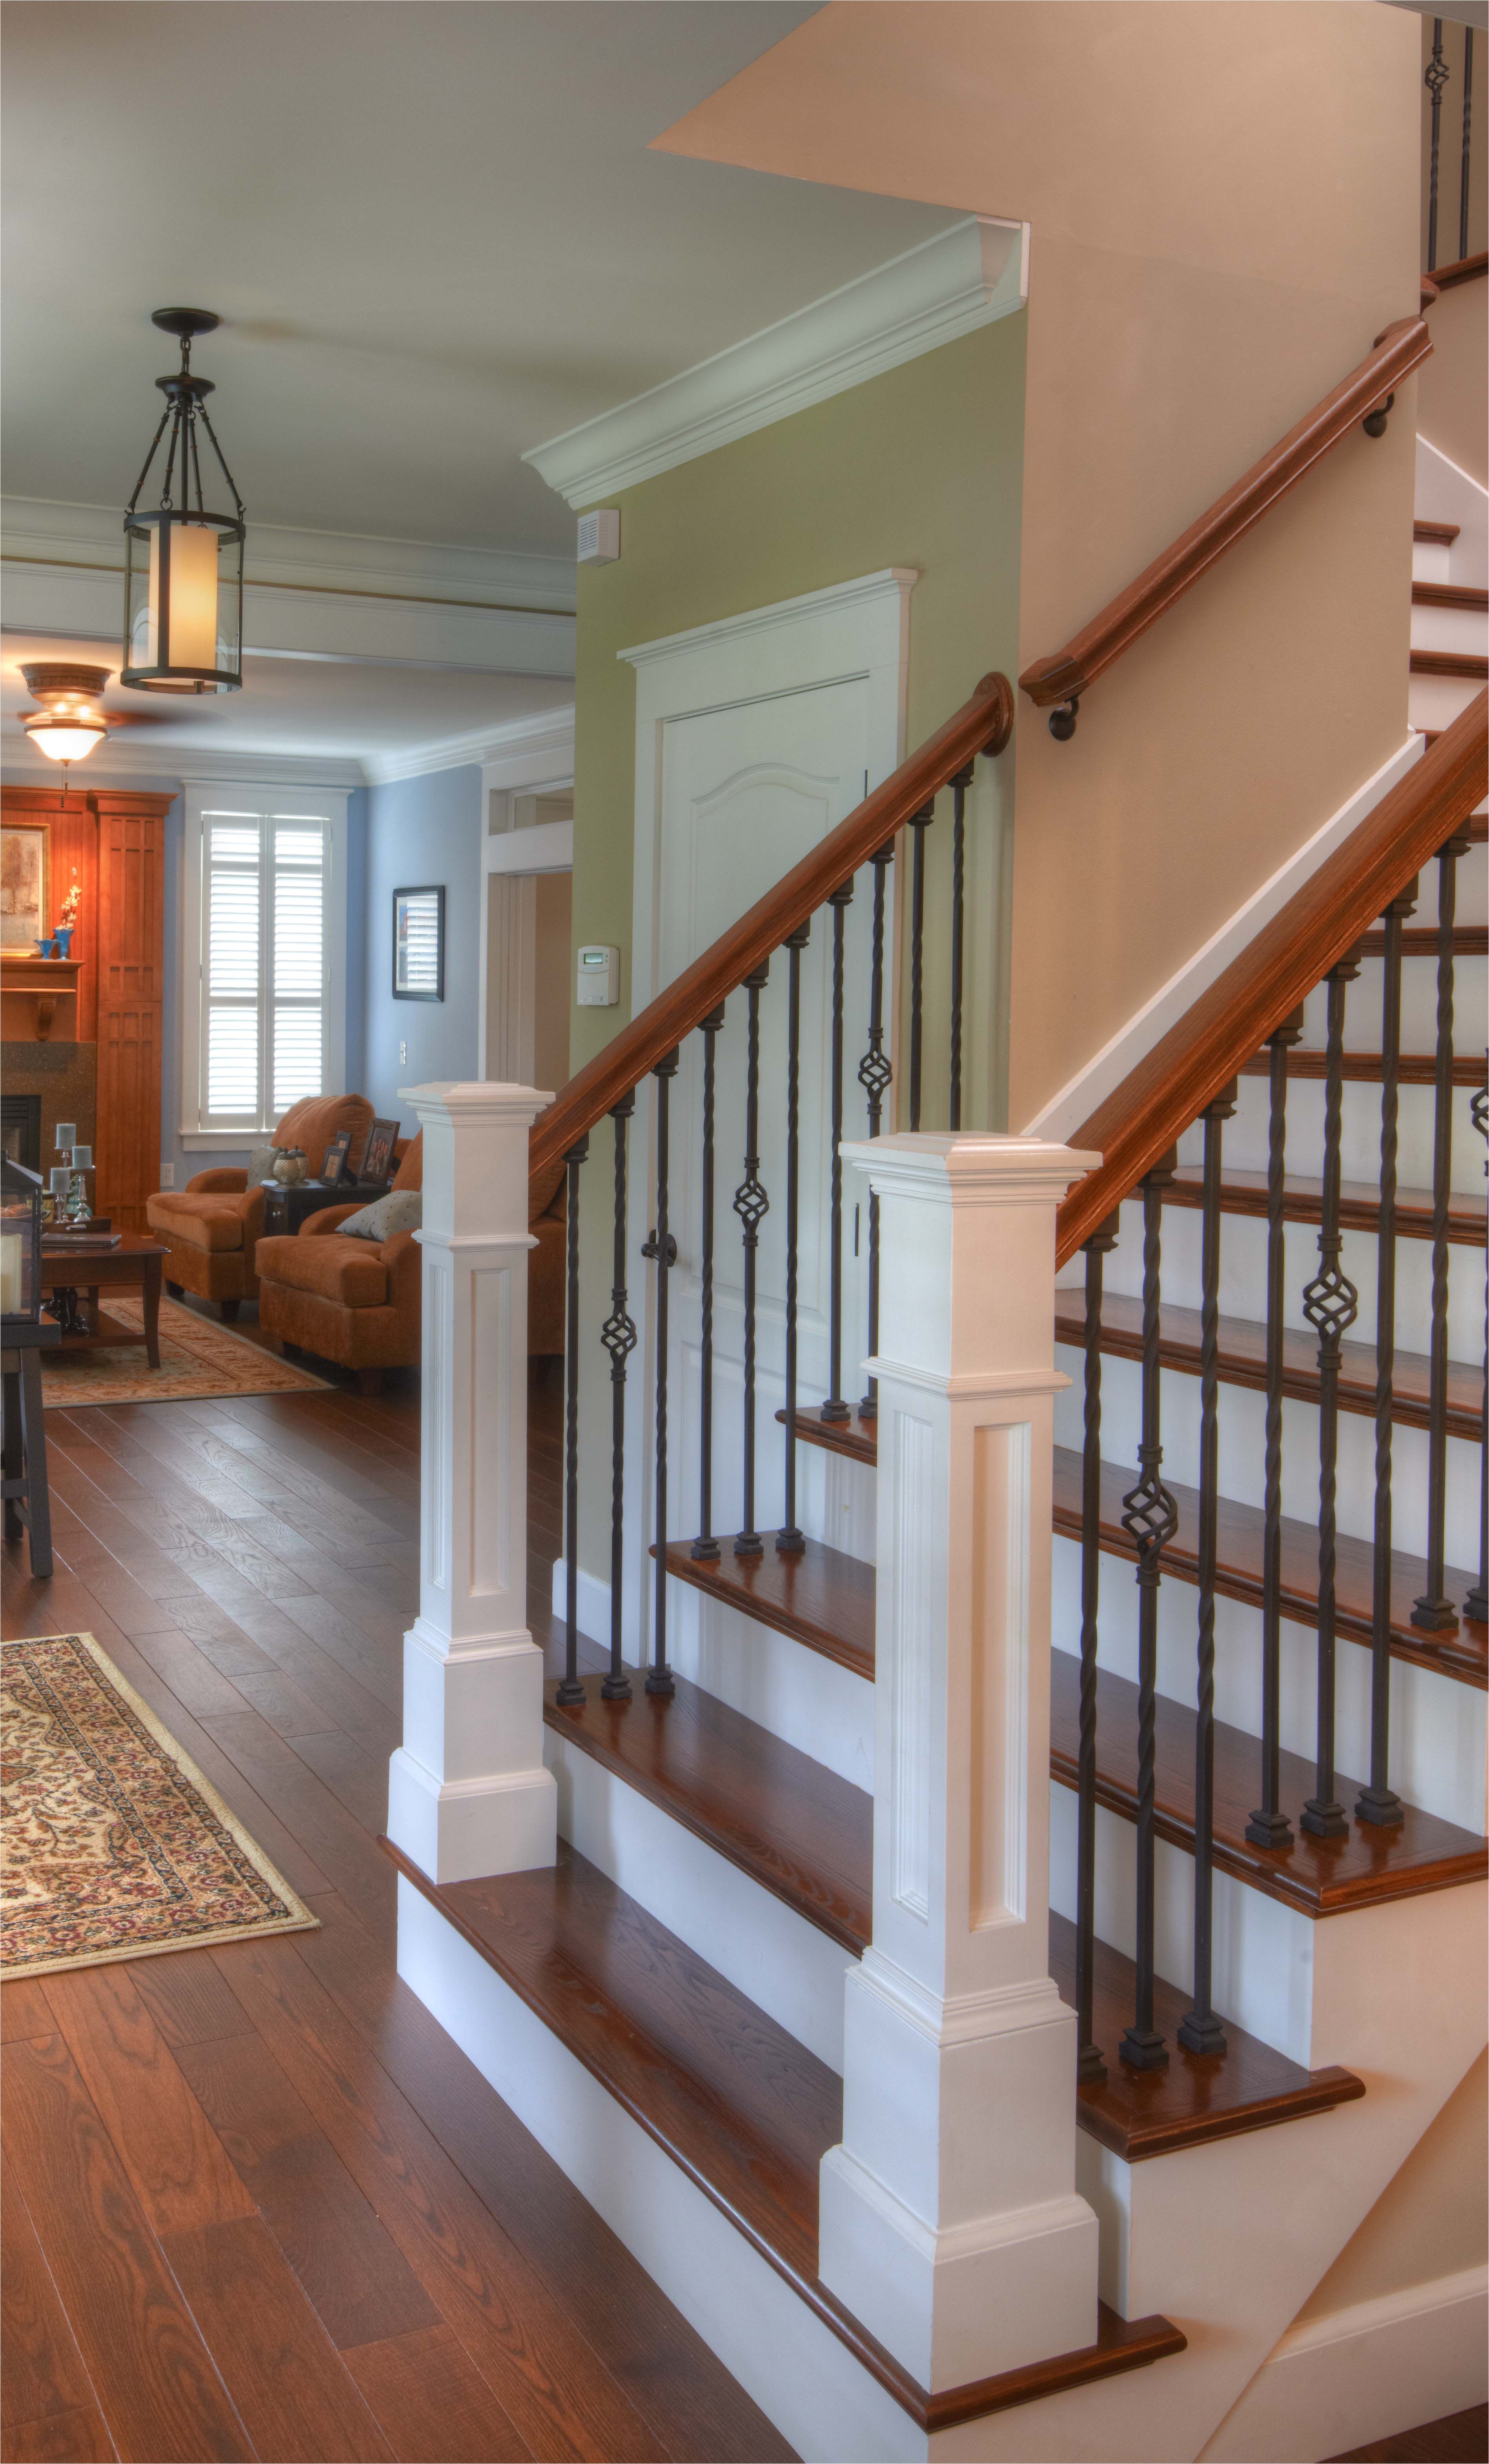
<point x="1364" y="2373"/>
<point x="1091" y="1085"/>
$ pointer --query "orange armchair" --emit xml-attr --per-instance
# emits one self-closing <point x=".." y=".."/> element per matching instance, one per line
<point x="351" y="1301"/>
<point x="211" y="1228"/>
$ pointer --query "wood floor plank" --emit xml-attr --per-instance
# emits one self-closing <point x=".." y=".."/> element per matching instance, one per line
<point x="342" y="1847"/>
<point x="41" y="2369"/>
<point x="181" y="2173"/>
<point x="24" y="2008"/>
<point x="431" y="2401"/>
<point x="188" y="1998"/>
<point x="162" y="2398"/>
<point x="562" y="2400"/>
<point x="296" y="2396"/>
<point x="355" y="2276"/>
<point x="77" y="2437"/>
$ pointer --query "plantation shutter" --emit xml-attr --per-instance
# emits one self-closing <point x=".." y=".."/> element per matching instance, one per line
<point x="263" y="965"/>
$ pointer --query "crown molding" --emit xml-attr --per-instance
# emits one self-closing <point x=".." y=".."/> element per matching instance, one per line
<point x="172" y="765"/>
<point x="546" y="738"/>
<point x="40" y="531"/>
<point x="965" y="277"/>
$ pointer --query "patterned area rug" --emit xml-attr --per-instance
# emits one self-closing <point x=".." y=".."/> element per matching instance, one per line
<point x="113" y="1845"/>
<point x="200" y="1358"/>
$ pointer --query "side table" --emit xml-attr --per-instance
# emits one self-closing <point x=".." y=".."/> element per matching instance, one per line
<point x="286" y="1209"/>
<point x="23" y="1450"/>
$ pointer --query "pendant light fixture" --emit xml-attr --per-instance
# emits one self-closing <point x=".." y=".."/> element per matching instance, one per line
<point x="183" y="564"/>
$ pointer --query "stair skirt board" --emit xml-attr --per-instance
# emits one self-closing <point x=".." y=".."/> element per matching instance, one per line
<point x="810" y="1701"/>
<point x="780" y="1959"/>
<point x="1367" y="2372"/>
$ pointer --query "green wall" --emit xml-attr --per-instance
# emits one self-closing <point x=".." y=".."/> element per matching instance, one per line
<point x="920" y="467"/>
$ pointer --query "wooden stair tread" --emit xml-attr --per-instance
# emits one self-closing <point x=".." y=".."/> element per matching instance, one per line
<point x="735" y="2101"/>
<point x="1412" y="1069"/>
<point x="1450" y="594"/>
<point x="793" y="1826"/>
<point x="821" y="1596"/>
<point x="1322" y="1878"/>
<point x="1200" y="2097"/>
<point x="857" y="1436"/>
<point x="1435" y="533"/>
<point x="1243" y="1345"/>
<point x="1245" y="1193"/>
<point x="1461" y="1653"/>
<point x="1471" y="667"/>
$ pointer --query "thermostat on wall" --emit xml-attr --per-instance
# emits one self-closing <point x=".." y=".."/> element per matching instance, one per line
<point x="599" y="976"/>
<point x="600" y="537"/>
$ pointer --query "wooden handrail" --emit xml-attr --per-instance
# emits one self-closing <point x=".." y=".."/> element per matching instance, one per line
<point x="1229" y="1023"/>
<point x="1067" y="673"/>
<point x="982" y="725"/>
<point x="1464" y="269"/>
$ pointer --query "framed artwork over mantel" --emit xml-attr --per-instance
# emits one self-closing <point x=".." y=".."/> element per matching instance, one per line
<point x="23" y="886"/>
<point x="419" y="944"/>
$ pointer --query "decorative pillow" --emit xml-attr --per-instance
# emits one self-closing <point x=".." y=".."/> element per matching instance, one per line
<point x="262" y="1165"/>
<point x="402" y="1210"/>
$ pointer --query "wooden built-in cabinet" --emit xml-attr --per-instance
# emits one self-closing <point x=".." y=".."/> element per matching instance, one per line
<point x="116" y="841"/>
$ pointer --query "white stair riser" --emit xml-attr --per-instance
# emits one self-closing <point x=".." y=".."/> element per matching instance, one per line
<point x="1437" y="701"/>
<point x="781" y="1961"/>
<point x="1450" y="629"/>
<point x="1430" y="561"/>
<point x="1245" y="1134"/>
<point x="1445" y="493"/>
<point x="1440" y="1728"/>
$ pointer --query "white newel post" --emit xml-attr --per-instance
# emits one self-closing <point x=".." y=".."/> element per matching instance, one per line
<point x="950" y="2220"/>
<point x="468" y="1792"/>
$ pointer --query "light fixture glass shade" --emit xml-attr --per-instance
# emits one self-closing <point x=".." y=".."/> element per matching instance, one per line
<point x="182" y="602"/>
<point x="66" y="740"/>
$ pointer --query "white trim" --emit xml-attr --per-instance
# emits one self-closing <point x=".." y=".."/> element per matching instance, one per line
<point x="547" y="847"/>
<point x="1093" y="1083"/>
<point x="128" y="756"/>
<point x="964" y="277"/>
<point x="1367" y="2372"/>
<point x="327" y="805"/>
<point x="545" y="735"/>
<point x="46" y="531"/>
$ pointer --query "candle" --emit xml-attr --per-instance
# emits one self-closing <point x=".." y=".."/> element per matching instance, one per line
<point x="83" y="1158"/>
<point x="60" y="1180"/>
<point x="11" y="1302"/>
<point x="66" y="1134"/>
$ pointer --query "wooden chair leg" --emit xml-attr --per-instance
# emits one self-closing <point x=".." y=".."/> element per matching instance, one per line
<point x="34" y="1441"/>
<point x="11" y="1458"/>
<point x="369" y="1381"/>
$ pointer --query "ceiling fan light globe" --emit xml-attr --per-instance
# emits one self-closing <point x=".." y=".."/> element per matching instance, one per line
<point x="71" y="739"/>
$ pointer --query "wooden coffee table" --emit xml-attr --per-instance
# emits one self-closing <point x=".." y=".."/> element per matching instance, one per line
<point x="72" y="1280"/>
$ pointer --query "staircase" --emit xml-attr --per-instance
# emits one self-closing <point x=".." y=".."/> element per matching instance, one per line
<point x="778" y="1995"/>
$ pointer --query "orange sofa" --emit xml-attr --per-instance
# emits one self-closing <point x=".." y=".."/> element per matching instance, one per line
<point x="351" y="1301"/>
<point x="211" y="1228"/>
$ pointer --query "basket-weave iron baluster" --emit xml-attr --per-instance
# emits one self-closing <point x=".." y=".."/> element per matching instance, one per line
<point x="874" y="1076"/>
<point x="1437" y="76"/>
<point x="704" y="1548"/>
<point x="618" y="1334"/>
<point x="752" y="1206"/>
<point x="1330" y="1304"/>
<point x="1149" y="1519"/>
<point x="835" y="1408"/>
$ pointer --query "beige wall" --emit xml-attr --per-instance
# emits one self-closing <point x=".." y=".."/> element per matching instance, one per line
<point x="1223" y="196"/>
<point x="1432" y="2219"/>
<point x="1453" y="399"/>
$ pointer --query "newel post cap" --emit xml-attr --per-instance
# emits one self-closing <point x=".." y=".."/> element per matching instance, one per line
<point x="984" y="1168"/>
<point x="482" y="1103"/>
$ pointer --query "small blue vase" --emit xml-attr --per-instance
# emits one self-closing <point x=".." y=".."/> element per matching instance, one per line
<point x="62" y="940"/>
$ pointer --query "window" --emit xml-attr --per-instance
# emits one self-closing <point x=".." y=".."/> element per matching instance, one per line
<point x="263" y="990"/>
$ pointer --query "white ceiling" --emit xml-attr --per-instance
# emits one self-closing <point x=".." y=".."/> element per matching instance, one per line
<point x="433" y="227"/>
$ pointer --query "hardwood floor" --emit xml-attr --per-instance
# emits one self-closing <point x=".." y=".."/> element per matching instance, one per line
<point x="255" y="2202"/>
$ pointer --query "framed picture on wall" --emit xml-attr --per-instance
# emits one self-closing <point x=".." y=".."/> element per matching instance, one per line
<point x="419" y="944"/>
<point x="23" y="886"/>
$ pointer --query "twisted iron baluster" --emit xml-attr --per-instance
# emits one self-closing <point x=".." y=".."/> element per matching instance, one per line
<point x="706" y="1548"/>
<point x="919" y="823"/>
<point x="1149" y="1518"/>
<point x="1432" y="1612"/>
<point x="1269" y="1827"/>
<point x="874" y="1076"/>
<point x="959" y="786"/>
<point x="1378" y="1803"/>
<point x="752" y="1206"/>
<point x="835" y="1408"/>
<point x="1468" y="90"/>
<point x="1199" y="2030"/>
<point x="1330" y="1304"/>
<point x="618" y="1334"/>
<point x="658" y="1676"/>
<point x="1437" y="76"/>
<point x="571" y="1686"/>
<point x="789" y="1539"/>
<point x="1476" y="1604"/>
<point x="1089" y="2064"/>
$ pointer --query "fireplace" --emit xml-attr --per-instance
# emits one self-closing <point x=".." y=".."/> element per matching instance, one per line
<point x="20" y="1130"/>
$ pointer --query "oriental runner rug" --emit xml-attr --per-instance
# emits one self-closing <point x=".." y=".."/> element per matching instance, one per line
<point x="113" y="1845"/>
<point x="199" y="1360"/>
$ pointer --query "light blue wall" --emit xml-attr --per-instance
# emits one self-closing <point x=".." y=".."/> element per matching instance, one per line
<point x="422" y="830"/>
<point x="356" y="935"/>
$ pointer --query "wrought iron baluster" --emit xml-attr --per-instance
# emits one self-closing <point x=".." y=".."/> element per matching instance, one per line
<point x="1269" y="1826"/>
<point x="1378" y="1803"/>
<point x="959" y="786"/>
<point x="1089" y="2064"/>
<point x="874" y="1076"/>
<point x="618" y="1334"/>
<point x="919" y="823"/>
<point x="658" y="1676"/>
<point x="1330" y="1304"/>
<point x="1432" y="1612"/>
<point x="1437" y="76"/>
<point x="835" y="1408"/>
<point x="1463" y="171"/>
<point x="571" y="1686"/>
<point x="752" y="1205"/>
<point x="1476" y="1604"/>
<point x="706" y="1548"/>
<point x="1149" y="1518"/>
<point x="1199" y="2030"/>
<point x="789" y="1539"/>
